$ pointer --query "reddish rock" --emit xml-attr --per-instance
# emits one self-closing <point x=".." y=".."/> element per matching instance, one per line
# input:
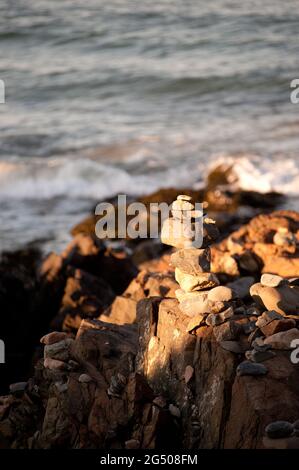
<point x="53" y="337"/>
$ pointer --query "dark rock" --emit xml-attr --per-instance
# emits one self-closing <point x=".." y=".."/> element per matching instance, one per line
<point x="248" y="368"/>
<point x="279" y="429"/>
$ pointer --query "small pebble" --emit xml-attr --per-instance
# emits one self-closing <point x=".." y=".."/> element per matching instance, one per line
<point x="189" y="372"/>
<point x="279" y="429"/>
<point x="84" y="378"/>
<point x="132" y="444"/>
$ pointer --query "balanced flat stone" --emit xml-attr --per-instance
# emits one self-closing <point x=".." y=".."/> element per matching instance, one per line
<point x="182" y="205"/>
<point x="178" y="234"/>
<point x="250" y="368"/>
<point x="221" y="294"/>
<point x="184" y="197"/>
<point x="192" y="261"/>
<point x="272" y="280"/>
<point x="191" y="283"/>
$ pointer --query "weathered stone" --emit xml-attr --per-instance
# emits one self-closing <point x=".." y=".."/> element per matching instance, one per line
<point x="259" y="356"/>
<point x="84" y="378"/>
<point x="53" y="337"/>
<point x="228" y="331"/>
<point x="54" y="364"/>
<point x="191" y="283"/>
<point x="60" y="350"/>
<point x="216" y="307"/>
<point x="259" y="345"/>
<point x="192" y="260"/>
<point x="182" y="206"/>
<point x="221" y="294"/>
<point x="283" y="340"/>
<point x="272" y="280"/>
<point x="248" y="368"/>
<point x="221" y="317"/>
<point x="176" y="233"/>
<point x="184" y="197"/>
<point x="277" y="326"/>
<point x="279" y="429"/>
<point x="268" y="317"/>
<point x="235" y="347"/>
<point x="284" y="299"/>
<point x="214" y="319"/>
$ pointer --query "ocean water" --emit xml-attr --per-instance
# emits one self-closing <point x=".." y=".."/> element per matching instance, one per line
<point x="127" y="96"/>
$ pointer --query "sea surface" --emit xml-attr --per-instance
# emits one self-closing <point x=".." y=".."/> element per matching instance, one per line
<point x="127" y="96"/>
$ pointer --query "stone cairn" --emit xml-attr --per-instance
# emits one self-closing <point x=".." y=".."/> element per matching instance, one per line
<point x="202" y="298"/>
<point x="200" y="294"/>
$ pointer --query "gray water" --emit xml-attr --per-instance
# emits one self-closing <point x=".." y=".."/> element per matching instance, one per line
<point x="128" y="96"/>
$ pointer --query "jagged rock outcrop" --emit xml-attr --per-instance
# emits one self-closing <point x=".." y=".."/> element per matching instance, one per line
<point x="133" y="371"/>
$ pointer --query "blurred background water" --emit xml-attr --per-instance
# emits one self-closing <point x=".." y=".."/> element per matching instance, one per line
<point x="104" y="97"/>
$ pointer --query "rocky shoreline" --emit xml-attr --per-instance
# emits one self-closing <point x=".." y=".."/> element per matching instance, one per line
<point x="136" y="345"/>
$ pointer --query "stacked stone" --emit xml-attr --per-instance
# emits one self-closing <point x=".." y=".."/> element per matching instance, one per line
<point x="200" y="293"/>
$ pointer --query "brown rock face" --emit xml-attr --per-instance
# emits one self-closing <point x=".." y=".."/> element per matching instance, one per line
<point x="85" y="296"/>
<point x="257" y="402"/>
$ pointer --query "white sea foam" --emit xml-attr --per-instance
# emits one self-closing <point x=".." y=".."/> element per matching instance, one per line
<point x="262" y="174"/>
<point x="87" y="178"/>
